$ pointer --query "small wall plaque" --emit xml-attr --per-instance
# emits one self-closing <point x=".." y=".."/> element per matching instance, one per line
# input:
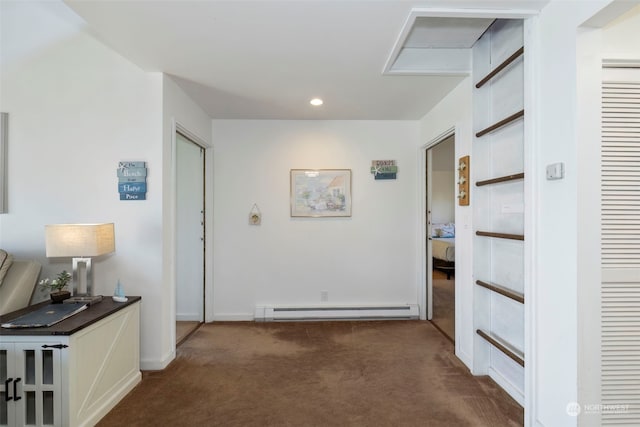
<point x="384" y="169"/>
<point x="255" y="217"/>
<point x="132" y="180"/>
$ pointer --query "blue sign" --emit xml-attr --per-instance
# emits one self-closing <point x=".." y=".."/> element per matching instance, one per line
<point x="132" y="180"/>
<point x="132" y="187"/>
<point x="131" y="172"/>
<point x="133" y="196"/>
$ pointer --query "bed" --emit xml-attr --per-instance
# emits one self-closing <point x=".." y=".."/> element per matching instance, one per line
<point x="443" y="249"/>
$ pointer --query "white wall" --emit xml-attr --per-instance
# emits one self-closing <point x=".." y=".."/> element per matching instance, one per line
<point x="557" y="263"/>
<point x="369" y="258"/>
<point x="179" y="110"/>
<point x="76" y="109"/>
<point x="454" y="111"/>
<point x="443" y="199"/>
<point x="620" y="37"/>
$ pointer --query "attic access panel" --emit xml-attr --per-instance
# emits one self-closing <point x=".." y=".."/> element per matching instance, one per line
<point x="436" y="45"/>
<point x="445" y="33"/>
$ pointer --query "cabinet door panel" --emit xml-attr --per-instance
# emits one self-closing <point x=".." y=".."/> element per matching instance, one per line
<point x="7" y="376"/>
<point x="39" y="369"/>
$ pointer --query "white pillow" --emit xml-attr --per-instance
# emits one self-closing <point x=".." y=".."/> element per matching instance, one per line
<point x="443" y="230"/>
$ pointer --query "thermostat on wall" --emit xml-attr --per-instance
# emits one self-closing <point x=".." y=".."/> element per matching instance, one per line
<point x="555" y="171"/>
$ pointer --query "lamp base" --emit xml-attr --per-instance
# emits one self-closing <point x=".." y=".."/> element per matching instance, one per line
<point x="85" y="299"/>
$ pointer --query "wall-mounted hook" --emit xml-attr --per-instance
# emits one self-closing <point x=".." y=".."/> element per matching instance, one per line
<point x="255" y="217"/>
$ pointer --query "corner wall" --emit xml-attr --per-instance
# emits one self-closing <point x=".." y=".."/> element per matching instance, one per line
<point x="76" y="109"/>
<point x="561" y="267"/>
<point x="178" y="109"/>
<point x="369" y="258"/>
<point x="454" y="111"/>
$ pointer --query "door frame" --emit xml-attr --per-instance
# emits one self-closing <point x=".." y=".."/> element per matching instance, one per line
<point x="425" y="293"/>
<point x="178" y="127"/>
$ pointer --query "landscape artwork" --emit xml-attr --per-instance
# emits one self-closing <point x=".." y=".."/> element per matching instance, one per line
<point x="320" y="192"/>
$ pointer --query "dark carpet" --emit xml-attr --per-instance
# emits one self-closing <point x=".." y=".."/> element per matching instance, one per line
<point x="386" y="373"/>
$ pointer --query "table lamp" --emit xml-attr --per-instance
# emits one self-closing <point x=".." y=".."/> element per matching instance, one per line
<point x="80" y="242"/>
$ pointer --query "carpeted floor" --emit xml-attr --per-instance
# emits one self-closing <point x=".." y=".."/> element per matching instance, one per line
<point x="386" y="373"/>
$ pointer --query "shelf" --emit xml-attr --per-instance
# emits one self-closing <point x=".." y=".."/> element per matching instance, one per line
<point x="500" y="67"/>
<point x="512" y="352"/>
<point x="500" y="235"/>
<point x="500" y="179"/>
<point x="501" y="123"/>
<point x="516" y="296"/>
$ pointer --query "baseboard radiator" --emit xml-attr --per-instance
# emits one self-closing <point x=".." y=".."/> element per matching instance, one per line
<point x="275" y="313"/>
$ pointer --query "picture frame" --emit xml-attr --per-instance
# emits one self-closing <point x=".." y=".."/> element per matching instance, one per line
<point x="4" y="142"/>
<point x="320" y="193"/>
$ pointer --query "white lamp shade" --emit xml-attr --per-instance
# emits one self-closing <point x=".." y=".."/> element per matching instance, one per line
<point x="79" y="240"/>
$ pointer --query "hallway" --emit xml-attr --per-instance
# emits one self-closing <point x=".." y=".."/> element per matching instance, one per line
<point x="375" y="373"/>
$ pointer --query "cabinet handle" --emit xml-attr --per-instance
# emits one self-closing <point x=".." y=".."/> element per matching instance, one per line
<point x="6" y="388"/>
<point x="15" y="389"/>
<point x="58" y="346"/>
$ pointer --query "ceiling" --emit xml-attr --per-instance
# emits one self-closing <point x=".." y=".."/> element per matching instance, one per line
<point x="266" y="59"/>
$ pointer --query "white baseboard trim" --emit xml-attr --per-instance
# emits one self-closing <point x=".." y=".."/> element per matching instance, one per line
<point x="508" y="386"/>
<point x="464" y="357"/>
<point x="188" y="317"/>
<point x="157" y="365"/>
<point x="238" y="317"/>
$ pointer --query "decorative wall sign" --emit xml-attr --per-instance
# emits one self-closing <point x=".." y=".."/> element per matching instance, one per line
<point x="321" y="192"/>
<point x="255" y="217"/>
<point x="4" y="141"/>
<point x="384" y="169"/>
<point x="132" y="180"/>
<point x="463" y="181"/>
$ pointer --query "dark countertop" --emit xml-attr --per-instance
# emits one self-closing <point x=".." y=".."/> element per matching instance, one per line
<point x="68" y="326"/>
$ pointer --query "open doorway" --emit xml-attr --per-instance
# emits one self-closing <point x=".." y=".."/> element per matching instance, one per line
<point x="441" y="191"/>
<point x="190" y="236"/>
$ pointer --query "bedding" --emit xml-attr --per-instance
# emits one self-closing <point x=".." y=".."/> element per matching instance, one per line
<point x="447" y="229"/>
<point x="444" y="248"/>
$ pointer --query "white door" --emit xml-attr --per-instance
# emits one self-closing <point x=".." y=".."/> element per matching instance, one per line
<point x="429" y="178"/>
<point x="620" y="345"/>
<point x="190" y="230"/>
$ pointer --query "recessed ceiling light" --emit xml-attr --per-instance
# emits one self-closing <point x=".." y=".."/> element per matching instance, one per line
<point x="316" y="102"/>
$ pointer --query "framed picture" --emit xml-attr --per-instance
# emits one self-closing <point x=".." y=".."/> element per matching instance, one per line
<point x="4" y="142"/>
<point x="320" y="192"/>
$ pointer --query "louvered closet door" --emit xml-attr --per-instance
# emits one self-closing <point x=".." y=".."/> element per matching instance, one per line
<point x="621" y="247"/>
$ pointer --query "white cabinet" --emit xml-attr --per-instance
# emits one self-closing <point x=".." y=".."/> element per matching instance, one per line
<point x="72" y="373"/>
<point x="30" y="390"/>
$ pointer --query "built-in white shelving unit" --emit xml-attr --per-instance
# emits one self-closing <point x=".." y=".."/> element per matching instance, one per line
<point x="498" y="176"/>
